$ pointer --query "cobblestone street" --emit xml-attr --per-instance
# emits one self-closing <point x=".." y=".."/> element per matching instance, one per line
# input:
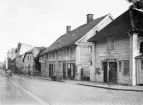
<point x="59" y="93"/>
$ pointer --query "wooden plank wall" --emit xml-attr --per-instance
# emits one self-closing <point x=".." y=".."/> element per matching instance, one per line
<point x="120" y="53"/>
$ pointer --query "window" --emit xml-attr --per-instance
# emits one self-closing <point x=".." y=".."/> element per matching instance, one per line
<point x="72" y="50"/>
<point x="90" y="49"/>
<point x="59" y="64"/>
<point x="126" y="67"/>
<point x="141" y="47"/>
<point x="110" y="43"/>
<point x="120" y="66"/>
<point x="141" y="64"/>
<point x="65" y="52"/>
<point x="27" y="57"/>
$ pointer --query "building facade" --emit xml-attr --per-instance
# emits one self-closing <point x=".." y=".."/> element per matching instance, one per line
<point x="118" y="50"/>
<point x="31" y="65"/>
<point x="71" y="54"/>
<point x="20" y="51"/>
<point x="28" y="63"/>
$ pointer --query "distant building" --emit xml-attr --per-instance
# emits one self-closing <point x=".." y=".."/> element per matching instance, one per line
<point x="29" y="62"/>
<point x="21" y="50"/>
<point x="1" y="64"/>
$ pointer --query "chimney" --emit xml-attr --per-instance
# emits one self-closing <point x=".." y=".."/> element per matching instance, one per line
<point x="68" y="28"/>
<point x="89" y="18"/>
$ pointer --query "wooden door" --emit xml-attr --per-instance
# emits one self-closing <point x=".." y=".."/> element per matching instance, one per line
<point x="64" y="70"/>
<point x="73" y="70"/>
<point x="69" y="71"/>
<point x="113" y="72"/>
<point x="49" y="70"/>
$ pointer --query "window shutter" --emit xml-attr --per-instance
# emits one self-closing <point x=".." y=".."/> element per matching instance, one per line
<point x="126" y="67"/>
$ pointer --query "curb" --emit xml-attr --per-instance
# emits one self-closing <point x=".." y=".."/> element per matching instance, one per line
<point x="111" y="88"/>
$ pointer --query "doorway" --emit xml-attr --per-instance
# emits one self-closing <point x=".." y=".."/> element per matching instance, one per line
<point x="50" y="70"/>
<point x="64" y="70"/>
<point x="113" y="72"/>
<point x="71" y="71"/>
<point x="104" y="65"/>
<point x="110" y="71"/>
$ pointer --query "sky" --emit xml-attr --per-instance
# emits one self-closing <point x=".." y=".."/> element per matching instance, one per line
<point x="41" y="22"/>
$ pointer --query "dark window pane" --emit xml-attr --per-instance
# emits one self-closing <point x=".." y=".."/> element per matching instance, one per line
<point x="120" y="66"/>
<point x="126" y="67"/>
<point x="141" y="64"/>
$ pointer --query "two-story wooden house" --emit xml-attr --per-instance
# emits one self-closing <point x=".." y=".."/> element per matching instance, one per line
<point x="71" y="54"/>
<point x="118" y="51"/>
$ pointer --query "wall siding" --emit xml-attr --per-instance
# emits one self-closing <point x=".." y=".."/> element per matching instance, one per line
<point x="121" y="52"/>
<point x="60" y="56"/>
<point x="84" y="58"/>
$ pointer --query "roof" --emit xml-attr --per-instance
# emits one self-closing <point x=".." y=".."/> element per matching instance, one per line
<point x="71" y="37"/>
<point x="31" y="51"/>
<point x="139" y="57"/>
<point x="121" y="25"/>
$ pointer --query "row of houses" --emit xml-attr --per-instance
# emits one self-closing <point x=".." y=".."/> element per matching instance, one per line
<point x="101" y="50"/>
<point x="24" y="59"/>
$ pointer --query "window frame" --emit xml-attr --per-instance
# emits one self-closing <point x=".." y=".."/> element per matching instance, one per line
<point x="141" y="66"/>
<point x="120" y="69"/>
<point x="110" y="43"/>
<point x="126" y="74"/>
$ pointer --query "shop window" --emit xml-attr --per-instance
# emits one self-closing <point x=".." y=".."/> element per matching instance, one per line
<point x="110" y="43"/>
<point x="126" y="68"/>
<point x="141" y="64"/>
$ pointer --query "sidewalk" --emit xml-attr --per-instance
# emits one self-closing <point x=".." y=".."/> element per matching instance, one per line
<point x="98" y="85"/>
<point x="106" y="85"/>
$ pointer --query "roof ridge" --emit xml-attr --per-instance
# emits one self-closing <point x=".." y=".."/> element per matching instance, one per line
<point x="79" y="31"/>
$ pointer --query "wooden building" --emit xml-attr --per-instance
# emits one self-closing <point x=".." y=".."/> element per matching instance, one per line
<point x="118" y="50"/>
<point x="71" y="54"/>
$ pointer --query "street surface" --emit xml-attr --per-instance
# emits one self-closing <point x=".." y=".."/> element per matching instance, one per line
<point x="10" y="94"/>
<point x="59" y="93"/>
